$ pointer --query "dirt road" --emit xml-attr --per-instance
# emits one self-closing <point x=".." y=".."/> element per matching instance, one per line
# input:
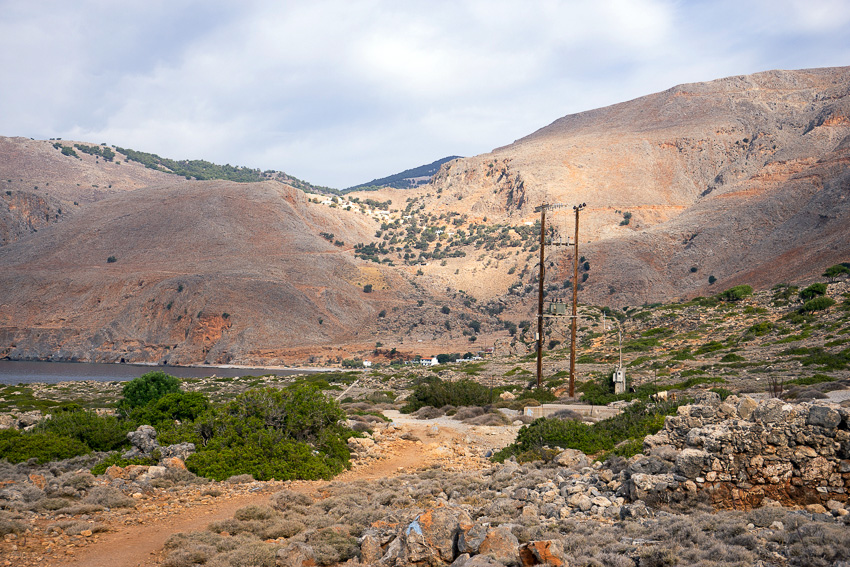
<point x="136" y="538"/>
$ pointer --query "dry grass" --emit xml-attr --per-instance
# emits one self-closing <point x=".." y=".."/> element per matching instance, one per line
<point x="75" y="527"/>
<point x="108" y="497"/>
<point x="331" y="524"/>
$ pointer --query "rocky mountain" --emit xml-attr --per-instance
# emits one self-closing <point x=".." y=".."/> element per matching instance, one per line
<point x="688" y="192"/>
<point x="744" y="179"/>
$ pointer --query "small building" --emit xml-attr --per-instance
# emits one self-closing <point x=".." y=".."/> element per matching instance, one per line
<point x="619" y="379"/>
<point x="367" y="364"/>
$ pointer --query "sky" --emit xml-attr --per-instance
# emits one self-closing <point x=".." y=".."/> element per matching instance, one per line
<point x="340" y="92"/>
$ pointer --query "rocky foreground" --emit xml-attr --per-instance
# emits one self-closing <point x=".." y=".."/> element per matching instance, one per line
<point x="738" y="482"/>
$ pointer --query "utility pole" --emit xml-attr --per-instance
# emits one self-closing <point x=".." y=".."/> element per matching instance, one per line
<point x="540" y="294"/>
<point x="540" y="282"/>
<point x="577" y="209"/>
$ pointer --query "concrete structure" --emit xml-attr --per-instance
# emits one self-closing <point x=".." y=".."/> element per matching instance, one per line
<point x="595" y="412"/>
<point x="619" y="379"/>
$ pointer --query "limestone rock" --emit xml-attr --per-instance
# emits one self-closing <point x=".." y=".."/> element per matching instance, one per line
<point x="370" y="549"/>
<point x="546" y="552"/>
<point x="296" y="555"/>
<point x="824" y="417"/>
<point x="143" y="440"/>
<point x="746" y="405"/>
<point x="572" y="458"/>
<point x="470" y="541"/>
<point x="180" y="450"/>
<point x="433" y="536"/>
<point x="691" y="462"/>
<point x="501" y="545"/>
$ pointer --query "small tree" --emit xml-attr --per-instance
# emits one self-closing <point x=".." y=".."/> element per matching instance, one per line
<point x="813" y="291"/>
<point x="833" y="272"/>
<point x="736" y="293"/>
<point x="817" y="304"/>
<point x="367" y="288"/>
<point x="148" y="387"/>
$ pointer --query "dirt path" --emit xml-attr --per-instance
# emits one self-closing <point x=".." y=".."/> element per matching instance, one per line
<point x="137" y="538"/>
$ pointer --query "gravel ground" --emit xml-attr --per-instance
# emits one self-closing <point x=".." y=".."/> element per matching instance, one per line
<point x="494" y="437"/>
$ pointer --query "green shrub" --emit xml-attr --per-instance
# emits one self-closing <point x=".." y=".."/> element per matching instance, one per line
<point x="294" y="433"/>
<point x="635" y="422"/>
<point x="17" y="447"/>
<point x="826" y="360"/>
<point x="598" y="392"/>
<point x="736" y="293"/>
<point x="181" y="406"/>
<point x="264" y="456"/>
<point x="814" y="290"/>
<point x="437" y="393"/>
<point x="640" y="345"/>
<point x="147" y="388"/>
<point x="542" y="395"/>
<point x="626" y="449"/>
<point x="710" y="346"/>
<point x="760" y="329"/>
<point x="810" y="380"/>
<point x="732" y="357"/>
<point x="101" y="433"/>
<point x="817" y="304"/>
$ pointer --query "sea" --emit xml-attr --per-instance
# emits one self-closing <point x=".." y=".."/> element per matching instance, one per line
<point x="25" y="372"/>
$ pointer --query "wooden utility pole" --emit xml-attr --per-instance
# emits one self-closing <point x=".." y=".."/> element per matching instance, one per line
<point x="540" y="294"/>
<point x="577" y="209"/>
<point x="540" y="282"/>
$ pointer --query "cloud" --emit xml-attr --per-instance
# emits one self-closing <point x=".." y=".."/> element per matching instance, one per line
<point x="340" y="92"/>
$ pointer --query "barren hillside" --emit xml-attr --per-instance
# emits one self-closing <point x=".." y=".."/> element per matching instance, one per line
<point x="688" y="192"/>
<point x="214" y="271"/>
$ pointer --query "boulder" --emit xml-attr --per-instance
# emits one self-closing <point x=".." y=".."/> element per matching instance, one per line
<point x="28" y="419"/>
<point x="502" y="545"/>
<point x="469" y="541"/>
<point x="572" y="458"/>
<point x="144" y="442"/>
<point x="175" y="463"/>
<point x="433" y="536"/>
<point x="546" y="552"/>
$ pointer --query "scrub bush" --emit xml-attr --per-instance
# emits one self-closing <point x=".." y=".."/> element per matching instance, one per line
<point x="437" y="393"/>
<point x="18" y="447"/>
<point x="147" y="388"/>
<point x="267" y="433"/>
<point x="98" y="432"/>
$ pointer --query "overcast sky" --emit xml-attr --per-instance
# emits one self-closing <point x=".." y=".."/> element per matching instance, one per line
<point x="341" y="92"/>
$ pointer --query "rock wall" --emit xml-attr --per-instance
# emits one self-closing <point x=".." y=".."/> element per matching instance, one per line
<point x="741" y="451"/>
